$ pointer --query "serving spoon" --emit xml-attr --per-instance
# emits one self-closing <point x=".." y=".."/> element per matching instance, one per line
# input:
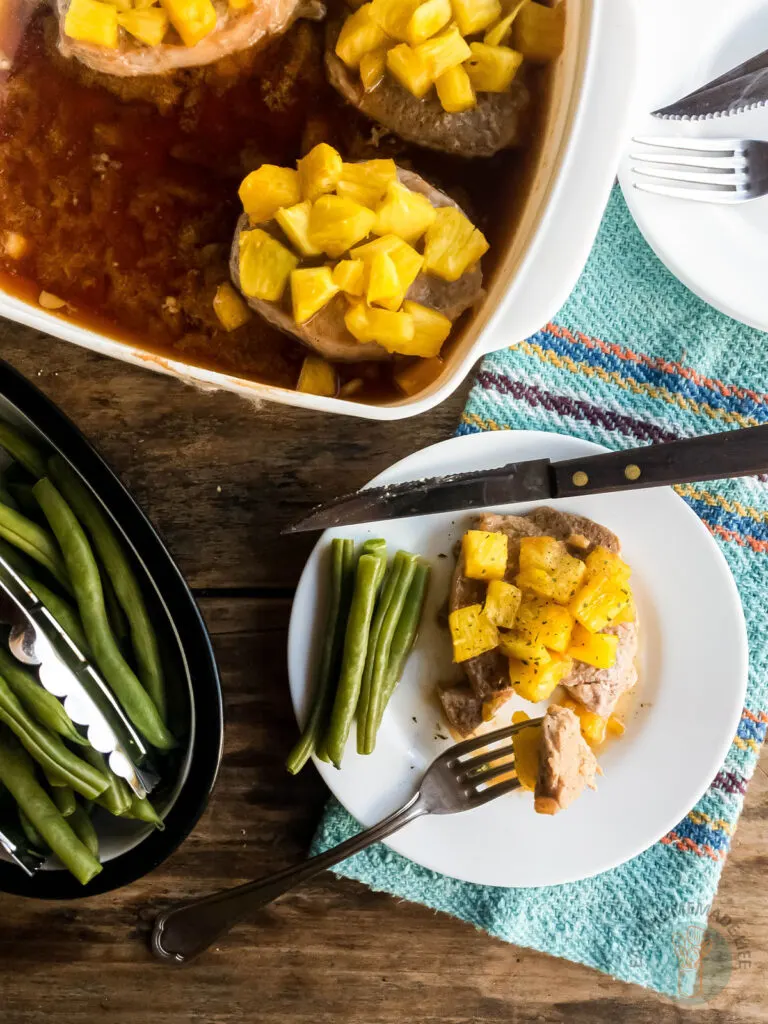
<point x="452" y="783"/>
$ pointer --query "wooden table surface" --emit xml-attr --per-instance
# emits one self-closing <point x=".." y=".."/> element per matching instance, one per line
<point x="219" y="478"/>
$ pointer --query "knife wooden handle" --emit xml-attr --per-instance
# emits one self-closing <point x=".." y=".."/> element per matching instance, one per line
<point x="712" y="457"/>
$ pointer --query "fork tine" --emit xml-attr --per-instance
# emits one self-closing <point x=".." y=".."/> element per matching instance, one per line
<point x="487" y="758"/>
<point x="481" y="778"/>
<point x="712" y="178"/>
<point x="714" y="163"/>
<point x="485" y="739"/>
<point x="701" y="195"/>
<point x="700" y="145"/>
<point x="500" y="789"/>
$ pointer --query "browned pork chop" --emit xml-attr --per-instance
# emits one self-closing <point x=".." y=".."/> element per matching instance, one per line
<point x="566" y="763"/>
<point x="234" y="31"/>
<point x="462" y="708"/>
<point x="498" y="120"/>
<point x="326" y="332"/>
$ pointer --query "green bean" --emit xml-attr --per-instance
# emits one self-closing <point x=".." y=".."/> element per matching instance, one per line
<point x="116" y="798"/>
<point x="404" y="637"/>
<point x="84" y="572"/>
<point x="83" y="828"/>
<point x="115" y="614"/>
<point x="42" y="705"/>
<point x="142" y="810"/>
<point x="15" y="558"/>
<point x="114" y="559"/>
<point x="64" y="798"/>
<point x="20" y="448"/>
<point x="47" y="749"/>
<point x="383" y="647"/>
<point x="62" y="611"/>
<point x="341" y="554"/>
<point x="370" y="570"/>
<point x="34" y="541"/>
<point x="31" y="834"/>
<point x="18" y="776"/>
<point x="385" y="597"/>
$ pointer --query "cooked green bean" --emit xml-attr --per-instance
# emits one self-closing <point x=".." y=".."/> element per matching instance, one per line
<point x="15" y="558"/>
<point x="115" y="614"/>
<point x="84" y="572"/>
<point x="405" y="636"/>
<point x="47" y="748"/>
<point x="34" y="541"/>
<point x="64" y="798"/>
<point x="116" y="798"/>
<point x="142" y="810"/>
<point x="347" y="589"/>
<point x="83" y="828"/>
<point x="385" y="598"/>
<point x="61" y="610"/>
<point x="370" y="570"/>
<point x="31" y="834"/>
<point x="20" y="448"/>
<point x="18" y="776"/>
<point x="118" y="566"/>
<point x="47" y="709"/>
<point x="340" y="553"/>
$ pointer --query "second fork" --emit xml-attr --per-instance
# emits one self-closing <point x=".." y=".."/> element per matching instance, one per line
<point x="705" y="170"/>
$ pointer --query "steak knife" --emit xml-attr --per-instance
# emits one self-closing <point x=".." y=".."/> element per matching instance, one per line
<point x="712" y="457"/>
<point x="744" y="87"/>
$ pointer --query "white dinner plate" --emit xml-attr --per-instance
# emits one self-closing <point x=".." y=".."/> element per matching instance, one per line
<point x="693" y="666"/>
<point x="719" y="252"/>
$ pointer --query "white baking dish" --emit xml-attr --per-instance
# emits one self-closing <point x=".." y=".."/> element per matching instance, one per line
<point x="582" y="140"/>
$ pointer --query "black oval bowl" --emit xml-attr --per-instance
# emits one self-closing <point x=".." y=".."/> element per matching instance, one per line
<point x="40" y="415"/>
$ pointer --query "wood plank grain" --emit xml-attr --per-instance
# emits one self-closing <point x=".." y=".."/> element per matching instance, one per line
<point x="218" y="476"/>
<point x="332" y="952"/>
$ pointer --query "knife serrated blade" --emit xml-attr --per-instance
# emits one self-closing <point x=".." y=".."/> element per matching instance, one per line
<point x="743" y="88"/>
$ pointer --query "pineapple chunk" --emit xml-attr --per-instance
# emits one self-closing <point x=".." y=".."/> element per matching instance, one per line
<point x="336" y="224"/>
<point x="92" y="22"/>
<point x="526" y="651"/>
<point x="372" y="67"/>
<point x="391" y="330"/>
<point x="443" y="52"/>
<point x="491" y="709"/>
<point x="472" y="633"/>
<point x="598" y="649"/>
<point x="599" y="602"/>
<point x="419" y="375"/>
<point x="319" y="171"/>
<point x="311" y="289"/>
<point x="544" y="622"/>
<point x="121" y="5"/>
<point x="317" y="377"/>
<point x="431" y="327"/>
<point x="294" y="220"/>
<point x="428" y="18"/>
<point x="593" y="727"/>
<point x="265" y="266"/>
<point x="539" y="32"/>
<point x="266" y="189"/>
<point x="230" y="308"/>
<point x="492" y="68"/>
<point x="453" y="244"/>
<point x="140" y="5"/>
<point x="407" y="261"/>
<point x="393" y="16"/>
<point x="475" y="15"/>
<point x="403" y="213"/>
<point x="548" y="570"/>
<point x="501" y="603"/>
<point x="192" y="19"/>
<point x="540" y="553"/>
<point x="526" y="744"/>
<point x="626" y="614"/>
<point x="349" y="275"/>
<point x="485" y="555"/>
<point x="455" y="92"/>
<point x="239" y="5"/>
<point x="359" y="35"/>
<point x="383" y="282"/>
<point x="497" y="34"/>
<point x="148" y="26"/>
<point x="410" y="69"/>
<point x="538" y="682"/>
<point x="366" y="182"/>
<point x="615" y="726"/>
<point x="602" y="562"/>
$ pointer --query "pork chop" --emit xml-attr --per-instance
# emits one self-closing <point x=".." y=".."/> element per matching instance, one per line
<point x="462" y="707"/>
<point x="566" y="763"/>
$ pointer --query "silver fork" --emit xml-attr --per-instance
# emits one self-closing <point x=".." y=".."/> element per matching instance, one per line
<point x="453" y="782"/>
<point x="705" y="170"/>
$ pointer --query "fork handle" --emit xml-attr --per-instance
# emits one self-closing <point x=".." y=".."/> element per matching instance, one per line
<point x="187" y="929"/>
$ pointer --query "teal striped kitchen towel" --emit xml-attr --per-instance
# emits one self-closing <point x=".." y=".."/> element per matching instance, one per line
<point x="633" y="357"/>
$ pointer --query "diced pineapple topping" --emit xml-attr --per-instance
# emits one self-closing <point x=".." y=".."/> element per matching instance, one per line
<point x="391" y="330"/>
<point x="294" y="220"/>
<point x="319" y="171"/>
<point x="349" y="275"/>
<point x="372" y="67"/>
<point x="600" y="602"/>
<point x="336" y="224"/>
<point x="393" y="16"/>
<point x="538" y="682"/>
<point x="526" y="745"/>
<point x="403" y="213"/>
<point x="359" y="35"/>
<point x="538" y="32"/>
<point x="485" y="555"/>
<point x="407" y="261"/>
<point x="472" y="632"/>
<point x="492" y="68"/>
<point x="593" y="727"/>
<point x="192" y="19"/>
<point x="148" y="26"/>
<point x="498" y="33"/>
<point x="367" y="181"/>
<point x="597" y="649"/>
<point x="383" y="282"/>
<point x="266" y="189"/>
<point x="317" y="377"/>
<point x="544" y="622"/>
<point x="430" y="329"/>
<point x="121" y="5"/>
<point x="265" y="266"/>
<point x="455" y="91"/>
<point x="418" y="375"/>
<point x="428" y="18"/>
<point x="311" y="289"/>
<point x="475" y="15"/>
<point x="443" y="52"/>
<point x="523" y="649"/>
<point x="230" y="308"/>
<point x="92" y="22"/>
<point x="548" y="570"/>
<point x="501" y="603"/>
<point x="453" y="244"/>
<point x="410" y="69"/>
